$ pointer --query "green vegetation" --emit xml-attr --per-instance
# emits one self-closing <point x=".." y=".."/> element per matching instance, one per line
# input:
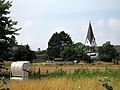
<point x="57" y="43"/>
<point x="61" y="45"/>
<point x="3" y="82"/>
<point x="76" y="74"/>
<point x="75" y="52"/>
<point x="81" y="54"/>
<point x="107" y="52"/>
<point x="23" y="53"/>
<point x="7" y="30"/>
<point x="69" y="54"/>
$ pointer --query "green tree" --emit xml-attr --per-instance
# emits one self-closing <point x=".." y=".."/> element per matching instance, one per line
<point x="7" y="29"/>
<point x="107" y="52"/>
<point x="79" y="45"/>
<point x="57" y="43"/>
<point x="81" y="54"/>
<point x="41" y="51"/>
<point x="23" y="53"/>
<point x="69" y="54"/>
<point x="75" y="52"/>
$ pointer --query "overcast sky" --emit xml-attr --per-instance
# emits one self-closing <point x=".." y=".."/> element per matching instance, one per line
<point x="39" y="19"/>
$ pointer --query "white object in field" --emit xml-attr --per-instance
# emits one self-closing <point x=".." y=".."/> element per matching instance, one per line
<point x="19" y="70"/>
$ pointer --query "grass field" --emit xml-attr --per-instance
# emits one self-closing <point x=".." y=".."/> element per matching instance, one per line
<point x="61" y="76"/>
<point x="62" y="84"/>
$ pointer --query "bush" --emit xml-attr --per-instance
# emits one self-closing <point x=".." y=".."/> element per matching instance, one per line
<point x="107" y="52"/>
<point x="106" y="57"/>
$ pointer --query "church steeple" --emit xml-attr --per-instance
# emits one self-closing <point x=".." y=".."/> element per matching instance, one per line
<point x="90" y="39"/>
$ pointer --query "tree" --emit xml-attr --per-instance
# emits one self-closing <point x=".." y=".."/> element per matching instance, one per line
<point x="69" y="54"/>
<point x="79" y="45"/>
<point x="57" y="43"/>
<point x="41" y="51"/>
<point x="23" y="53"/>
<point x="107" y="52"/>
<point x="81" y="54"/>
<point x="75" y="52"/>
<point x="7" y="29"/>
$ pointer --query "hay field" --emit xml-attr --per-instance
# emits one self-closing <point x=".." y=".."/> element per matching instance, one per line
<point x="51" y="67"/>
<point x="62" y="84"/>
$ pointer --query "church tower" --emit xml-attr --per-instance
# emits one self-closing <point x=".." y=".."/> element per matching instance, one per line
<point x="90" y="39"/>
<point x="90" y="42"/>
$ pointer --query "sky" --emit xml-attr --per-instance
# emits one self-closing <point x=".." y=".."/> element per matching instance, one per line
<point x="40" y="19"/>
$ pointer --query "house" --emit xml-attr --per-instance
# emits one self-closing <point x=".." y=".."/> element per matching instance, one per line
<point x="40" y="56"/>
<point x="117" y="47"/>
<point x="58" y="59"/>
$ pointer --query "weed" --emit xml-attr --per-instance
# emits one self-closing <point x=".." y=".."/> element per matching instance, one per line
<point x="3" y="82"/>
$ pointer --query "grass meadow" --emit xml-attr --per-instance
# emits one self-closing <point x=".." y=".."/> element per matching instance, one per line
<point x="68" y="77"/>
<point x="62" y="84"/>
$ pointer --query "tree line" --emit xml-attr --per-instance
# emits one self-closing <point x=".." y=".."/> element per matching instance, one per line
<point x="60" y="45"/>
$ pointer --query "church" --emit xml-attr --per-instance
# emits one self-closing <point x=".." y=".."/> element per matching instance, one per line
<point x="90" y="39"/>
<point x="90" y="42"/>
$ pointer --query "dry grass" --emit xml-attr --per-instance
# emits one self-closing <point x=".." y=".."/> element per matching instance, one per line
<point x="64" y="83"/>
<point x="52" y="68"/>
<point x="61" y="84"/>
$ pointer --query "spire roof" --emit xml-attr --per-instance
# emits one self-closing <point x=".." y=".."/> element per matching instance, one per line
<point x="90" y="35"/>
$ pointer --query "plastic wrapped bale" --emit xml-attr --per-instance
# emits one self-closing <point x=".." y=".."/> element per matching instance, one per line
<point x="19" y="70"/>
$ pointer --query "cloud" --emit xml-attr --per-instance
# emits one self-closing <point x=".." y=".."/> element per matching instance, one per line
<point x="107" y="30"/>
<point x="28" y="23"/>
<point x="39" y="19"/>
<point x="114" y="30"/>
<point x="100" y="23"/>
<point x="114" y="24"/>
<point x="61" y="28"/>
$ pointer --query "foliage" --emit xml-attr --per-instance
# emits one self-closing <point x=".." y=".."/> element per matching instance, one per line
<point x="79" y="45"/>
<point x="3" y="82"/>
<point x="107" y="52"/>
<point x="23" y="53"/>
<point x="41" y="51"/>
<point x="7" y="29"/>
<point x="75" y="52"/>
<point x="57" y="43"/>
<point x="69" y="54"/>
<point x="105" y="83"/>
<point x="4" y="73"/>
<point x="76" y="74"/>
<point x="81" y="54"/>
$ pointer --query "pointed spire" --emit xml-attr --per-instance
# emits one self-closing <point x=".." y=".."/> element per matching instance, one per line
<point x="90" y="34"/>
<point x="90" y="39"/>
